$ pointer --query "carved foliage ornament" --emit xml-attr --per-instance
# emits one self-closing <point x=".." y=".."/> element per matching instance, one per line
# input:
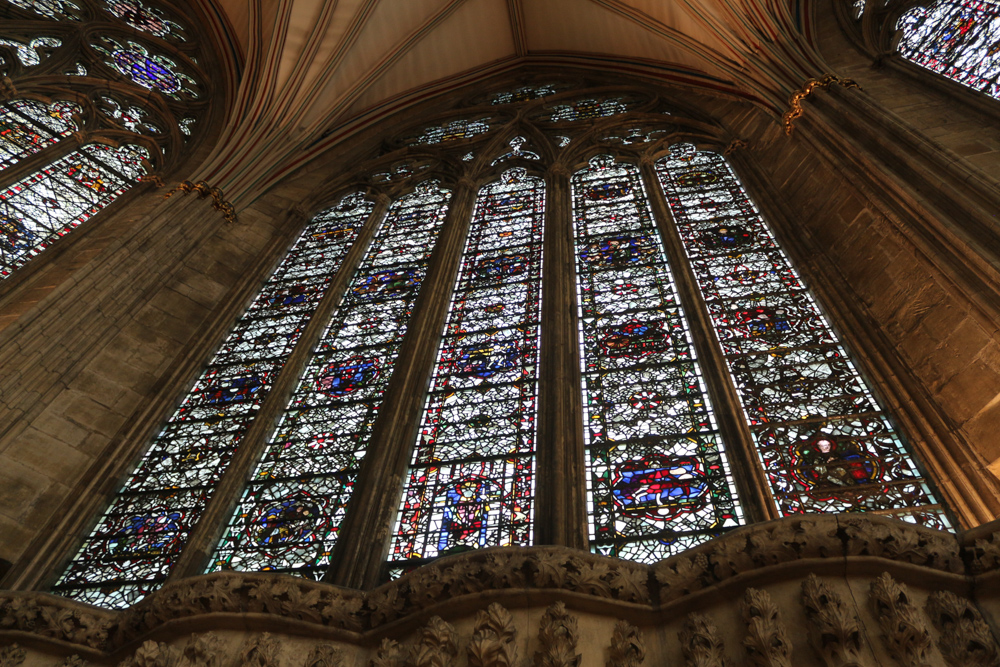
<point x="795" y="101"/>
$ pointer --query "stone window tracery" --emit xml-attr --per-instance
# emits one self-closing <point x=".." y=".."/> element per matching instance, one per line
<point x="429" y="286"/>
<point x="70" y="147"/>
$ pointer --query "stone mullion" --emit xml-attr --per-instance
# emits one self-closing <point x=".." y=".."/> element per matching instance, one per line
<point x="206" y="534"/>
<point x="755" y="493"/>
<point x="360" y="553"/>
<point x="560" y="513"/>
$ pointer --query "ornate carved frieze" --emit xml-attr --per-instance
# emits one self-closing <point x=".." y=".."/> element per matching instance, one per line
<point x="965" y="639"/>
<point x="835" y="633"/>
<point x="767" y="643"/>
<point x="903" y="630"/>
<point x="415" y="617"/>
<point x="557" y="639"/>
<point x="627" y="648"/>
<point x="701" y="643"/>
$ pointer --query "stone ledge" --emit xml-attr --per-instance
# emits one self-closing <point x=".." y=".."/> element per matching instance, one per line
<point x="772" y="551"/>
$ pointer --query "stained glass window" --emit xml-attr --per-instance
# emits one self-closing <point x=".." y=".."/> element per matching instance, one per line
<point x="635" y="135"/>
<point x="137" y="540"/>
<point x="471" y="479"/>
<point x="48" y="204"/>
<point x="29" y="53"/>
<point x="523" y="94"/>
<point x="453" y="131"/>
<point x="517" y="151"/>
<point x="129" y="116"/>
<point x="141" y="17"/>
<point x="290" y="514"/>
<point x="28" y="126"/>
<point x="51" y="9"/>
<point x="825" y="443"/>
<point x="587" y="109"/>
<point x="956" y="38"/>
<point x="659" y="480"/>
<point x="150" y="70"/>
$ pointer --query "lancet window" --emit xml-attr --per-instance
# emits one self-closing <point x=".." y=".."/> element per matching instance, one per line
<point x="670" y="269"/>
<point x="955" y="38"/>
<point x="70" y="148"/>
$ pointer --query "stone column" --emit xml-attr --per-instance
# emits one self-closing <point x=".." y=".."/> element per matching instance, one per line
<point x="360" y="553"/>
<point x="755" y="494"/>
<point x="206" y="534"/>
<point x="560" y="514"/>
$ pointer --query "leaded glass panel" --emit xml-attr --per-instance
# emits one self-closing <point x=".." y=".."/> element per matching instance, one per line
<point x="825" y="443"/>
<point x="136" y="542"/>
<point x="146" y="19"/>
<point x="28" y="126"/>
<point x="288" y="519"/>
<point x="452" y="131"/>
<point x="30" y="53"/>
<point x="956" y="38"/>
<point x="658" y="480"/>
<point x="153" y="71"/>
<point x="523" y="94"/>
<point x="48" y="204"/>
<point x="50" y="9"/>
<point x="587" y="109"/>
<point x="471" y="478"/>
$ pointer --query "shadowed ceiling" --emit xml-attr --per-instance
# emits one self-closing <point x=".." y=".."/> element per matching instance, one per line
<point x="316" y="68"/>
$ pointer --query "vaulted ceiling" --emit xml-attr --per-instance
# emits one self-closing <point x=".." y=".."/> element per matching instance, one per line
<point x="316" y="68"/>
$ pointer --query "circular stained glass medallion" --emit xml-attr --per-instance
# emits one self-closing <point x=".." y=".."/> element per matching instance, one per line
<point x="145" y="70"/>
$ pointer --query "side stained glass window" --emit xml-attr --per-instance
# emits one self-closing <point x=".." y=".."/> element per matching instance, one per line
<point x="587" y="109"/>
<point x="658" y="477"/>
<point x="824" y="442"/>
<point x="290" y="514"/>
<point x="27" y="126"/>
<point x="471" y="479"/>
<point x="48" y="204"/>
<point x="453" y="131"/>
<point x="956" y="38"/>
<point x="136" y="542"/>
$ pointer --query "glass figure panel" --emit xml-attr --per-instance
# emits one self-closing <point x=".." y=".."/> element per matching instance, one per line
<point x="40" y="208"/>
<point x="50" y="9"/>
<point x="453" y="131"/>
<point x="28" y="126"/>
<point x="137" y="541"/>
<point x="471" y="478"/>
<point x="289" y="517"/>
<point x="659" y="480"/>
<point x="146" y="19"/>
<point x="587" y="109"/>
<point x="956" y="38"/>
<point x="523" y="94"/>
<point x="153" y="71"/>
<point x="825" y="443"/>
<point x="31" y="53"/>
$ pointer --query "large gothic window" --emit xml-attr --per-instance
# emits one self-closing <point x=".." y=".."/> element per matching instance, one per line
<point x="102" y="93"/>
<point x="956" y="38"/>
<point x="433" y="284"/>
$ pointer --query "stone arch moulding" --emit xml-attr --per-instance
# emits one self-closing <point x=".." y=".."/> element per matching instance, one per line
<point x="447" y="162"/>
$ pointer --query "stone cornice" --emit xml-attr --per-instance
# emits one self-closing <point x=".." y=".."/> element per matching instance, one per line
<point x="766" y="551"/>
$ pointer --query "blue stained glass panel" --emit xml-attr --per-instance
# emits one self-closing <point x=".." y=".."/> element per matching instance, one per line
<point x="471" y="479"/>
<point x="659" y="480"/>
<point x="825" y="443"/>
<point x="139" y="537"/>
<point x="288" y="519"/>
